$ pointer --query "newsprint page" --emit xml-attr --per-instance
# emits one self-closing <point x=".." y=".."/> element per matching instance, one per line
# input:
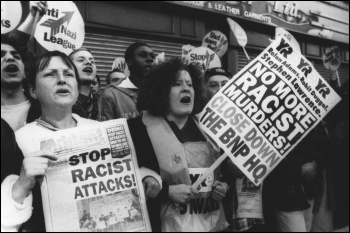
<point x="95" y="185"/>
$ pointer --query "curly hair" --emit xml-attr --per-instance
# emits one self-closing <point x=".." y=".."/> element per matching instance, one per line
<point x="154" y="95"/>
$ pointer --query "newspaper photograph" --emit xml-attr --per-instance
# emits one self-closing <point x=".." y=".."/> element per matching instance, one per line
<point x="95" y="185"/>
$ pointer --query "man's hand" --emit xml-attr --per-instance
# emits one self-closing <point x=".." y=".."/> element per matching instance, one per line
<point x="182" y="194"/>
<point x="151" y="186"/>
<point x="220" y="189"/>
<point x="34" y="167"/>
<point x="35" y="6"/>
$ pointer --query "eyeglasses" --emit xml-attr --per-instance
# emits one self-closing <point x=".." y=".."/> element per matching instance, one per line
<point x="145" y="55"/>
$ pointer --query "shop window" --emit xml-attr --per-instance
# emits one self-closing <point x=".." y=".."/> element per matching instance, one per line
<point x="313" y="50"/>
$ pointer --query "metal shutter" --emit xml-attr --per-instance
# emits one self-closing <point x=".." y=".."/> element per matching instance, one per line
<point x="107" y="48"/>
<point x="242" y="59"/>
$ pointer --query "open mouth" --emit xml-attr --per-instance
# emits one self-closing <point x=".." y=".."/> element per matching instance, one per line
<point x="186" y="100"/>
<point x="11" y="69"/>
<point x="88" y="70"/>
<point x="62" y="91"/>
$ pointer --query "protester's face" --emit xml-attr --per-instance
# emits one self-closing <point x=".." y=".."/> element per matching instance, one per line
<point x="182" y="95"/>
<point x="215" y="83"/>
<point x="95" y="87"/>
<point x="116" y="77"/>
<point x="85" y="63"/>
<point x="142" y="61"/>
<point x="12" y="67"/>
<point x="56" y="85"/>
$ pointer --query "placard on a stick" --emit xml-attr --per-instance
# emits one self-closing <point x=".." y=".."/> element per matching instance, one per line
<point x="11" y="14"/>
<point x="205" y="58"/>
<point x="267" y="108"/>
<point x="62" y="28"/>
<point x="216" y="41"/>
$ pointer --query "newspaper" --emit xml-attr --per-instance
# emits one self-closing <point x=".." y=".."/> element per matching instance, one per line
<point x="267" y="108"/>
<point x="249" y="199"/>
<point x="95" y="185"/>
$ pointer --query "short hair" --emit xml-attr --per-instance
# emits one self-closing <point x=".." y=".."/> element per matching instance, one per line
<point x="78" y="50"/>
<point x="116" y="70"/>
<point x="154" y="92"/>
<point x="42" y="61"/>
<point x="131" y="49"/>
<point x="5" y="39"/>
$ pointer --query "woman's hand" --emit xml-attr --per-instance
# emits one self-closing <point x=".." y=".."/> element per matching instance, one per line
<point x="220" y="189"/>
<point x="182" y="194"/>
<point x="151" y="186"/>
<point x="34" y="167"/>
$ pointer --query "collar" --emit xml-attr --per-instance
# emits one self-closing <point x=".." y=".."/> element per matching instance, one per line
<point x="52" y="128"/>
<point x="127" y="84"/>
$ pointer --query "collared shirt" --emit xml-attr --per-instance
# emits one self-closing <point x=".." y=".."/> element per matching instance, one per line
<point x="87" y="106"/>
<point x="126" y="83"/>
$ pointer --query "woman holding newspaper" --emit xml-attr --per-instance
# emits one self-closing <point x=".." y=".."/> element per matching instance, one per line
<point x="168" y="140"/>
<point x="53" y="80"/>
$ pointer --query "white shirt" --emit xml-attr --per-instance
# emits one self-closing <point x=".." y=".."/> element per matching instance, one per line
<point x="26" y="133"/>
<point x="16" y="115"/>
<point x="127" y="84"/>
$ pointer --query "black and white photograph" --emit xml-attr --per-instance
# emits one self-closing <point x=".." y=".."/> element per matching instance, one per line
<point x="175" y="116"/>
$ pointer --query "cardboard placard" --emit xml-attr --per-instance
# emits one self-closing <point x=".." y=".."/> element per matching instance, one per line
<point x="11" y="14"/>
<point x="267" y="108"/>
<point x="216" y="41"/>
<point x="62" y="28"/>
<point x="205" y="58"/>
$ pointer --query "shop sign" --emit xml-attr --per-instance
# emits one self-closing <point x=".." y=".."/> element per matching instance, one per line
<point x="314" y="18"/>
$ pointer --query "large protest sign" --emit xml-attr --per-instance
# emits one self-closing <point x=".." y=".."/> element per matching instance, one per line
<point x="203" y="57"/>
<point x="95" y="182"/>
<point x="62" y="28"/>
<point x="281" y="31"/>
<point x="11" y="14"/>
<point x="216" y="41"/>
<point x="266" y="109"/>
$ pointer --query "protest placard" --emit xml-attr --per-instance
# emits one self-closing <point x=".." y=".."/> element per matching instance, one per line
<point x="11" y="14"/>
<point x="216" y="41"/>
<point x="240" y="35"/>
<point x="95" y="178"/>
<point x="281" y="31"/>
<point x="61" y="28"/>
<point x="203" y="57"/>
<point x="267" y="108"/>
<point x="186" y="49"/>
<point x="119" y="63"/>
<point x="332" y="60"/>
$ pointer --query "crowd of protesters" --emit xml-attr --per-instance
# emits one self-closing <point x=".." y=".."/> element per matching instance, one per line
<point x="53" y="91"/>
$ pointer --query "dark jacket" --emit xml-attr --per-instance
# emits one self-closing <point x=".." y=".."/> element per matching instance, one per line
<point x="87" y="106"/>
<point x="117" y="102"/>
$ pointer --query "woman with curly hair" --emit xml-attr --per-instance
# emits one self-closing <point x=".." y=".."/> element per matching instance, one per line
<point x="169" y="141"/>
